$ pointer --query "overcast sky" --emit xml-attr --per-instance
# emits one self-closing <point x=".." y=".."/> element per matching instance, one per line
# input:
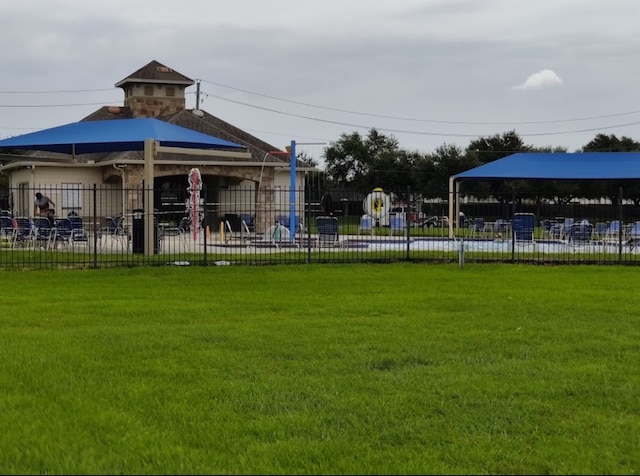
<point x="428" y="72"/>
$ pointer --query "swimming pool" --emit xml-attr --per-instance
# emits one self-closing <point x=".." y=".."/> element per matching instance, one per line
<point x="487" y="246"/>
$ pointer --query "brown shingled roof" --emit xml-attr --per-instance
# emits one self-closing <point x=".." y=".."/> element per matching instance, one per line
<point x="109" y="112"/>
<point x="156" y="73"/>
<point x="214" y="126"/>
<point x="201" y="122"/>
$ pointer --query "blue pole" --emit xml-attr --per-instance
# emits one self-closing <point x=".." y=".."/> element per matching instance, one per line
<point x="292" y="193"/>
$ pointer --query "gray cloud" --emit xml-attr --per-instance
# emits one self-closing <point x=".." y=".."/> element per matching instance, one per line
<point x="447" y="63"/>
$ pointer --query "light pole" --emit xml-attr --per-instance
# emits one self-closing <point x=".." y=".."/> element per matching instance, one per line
<point x="292" y="193"/>
<point x="345" y="205"/>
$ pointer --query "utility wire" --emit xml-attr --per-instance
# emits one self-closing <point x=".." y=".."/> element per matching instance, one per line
<point x="346" y="111"/>
<point x="435" y="121"/>
<point x="54" y="105"/>
<point x="58" y="91"/>
<point x="403" y="131"/>
<point x="380" y="116"/>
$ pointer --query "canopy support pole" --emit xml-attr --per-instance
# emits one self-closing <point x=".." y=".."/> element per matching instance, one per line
<point x="453" y="202"/>
<point x="149" y="206"/>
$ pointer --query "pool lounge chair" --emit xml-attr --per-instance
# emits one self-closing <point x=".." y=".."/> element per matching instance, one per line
<point x="328" y="232"/>
<point x="613" y="234"/>
<point x="580" y="236"/>
<point x="44" y="234"/>
<point x="633" y="240"/>
<point x="397" y="224"/>
<point x="478" y="227"/>
<point x="7" y="231"/>
<point x="366" y="224"/>
<point x="523" y="227"/>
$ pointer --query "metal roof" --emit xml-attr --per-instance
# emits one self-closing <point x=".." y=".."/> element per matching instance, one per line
<point x="113" y="136"/>
<point x="559" y="166"/>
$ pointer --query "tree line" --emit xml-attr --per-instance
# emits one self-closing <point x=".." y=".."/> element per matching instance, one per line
<point x="362" y="162"/>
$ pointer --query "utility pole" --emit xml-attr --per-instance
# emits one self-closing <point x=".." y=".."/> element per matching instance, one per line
<point x="197" y="94"/>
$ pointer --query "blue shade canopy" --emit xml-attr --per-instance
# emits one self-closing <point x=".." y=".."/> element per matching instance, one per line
<point x="114" y="135"/>
<point x="559" y="166"/>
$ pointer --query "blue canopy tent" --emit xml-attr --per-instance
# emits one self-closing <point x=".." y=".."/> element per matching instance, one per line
<point x="548" y="166"/>
<point x="114" y="135"/>
<point x="559" y="166"/>
<point x="117" y="135"/>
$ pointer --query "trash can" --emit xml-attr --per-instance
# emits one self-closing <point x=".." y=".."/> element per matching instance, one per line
<point x="137" y="232"/>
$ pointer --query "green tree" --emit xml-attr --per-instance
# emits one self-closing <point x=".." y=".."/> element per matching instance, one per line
<point x="489" y="149"/>
<point x="394" y="171"/>
<point x="358" y="162"/>
<point x="433" y="172"/>
<point x="610" y="143"/>
<point x="611" y="188"/>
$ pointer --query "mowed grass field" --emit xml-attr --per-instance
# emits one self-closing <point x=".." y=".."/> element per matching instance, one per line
<point x="322" y="369"/>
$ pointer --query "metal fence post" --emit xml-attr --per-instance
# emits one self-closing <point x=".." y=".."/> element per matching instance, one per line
<point x="407" y="222"/>
<point x="308" y="221"/>
<point x="621" y="218"/>
<point x="205" y="222"/>
<point x="95" y="226"/>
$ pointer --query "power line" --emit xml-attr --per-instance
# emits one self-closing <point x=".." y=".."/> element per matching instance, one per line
<point x="434" y="121"/>
<point x="348" y="124"/>
<point x="54" y="105"/>
<point x="425" y="133"/>
<point x="346" y="111"/>
<point x="58" y="91"/>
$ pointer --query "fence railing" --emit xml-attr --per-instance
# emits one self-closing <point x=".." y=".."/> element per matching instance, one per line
<point x="105" y="227"/>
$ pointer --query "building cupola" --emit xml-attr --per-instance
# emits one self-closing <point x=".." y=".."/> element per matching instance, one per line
<point x="155" y="90"/>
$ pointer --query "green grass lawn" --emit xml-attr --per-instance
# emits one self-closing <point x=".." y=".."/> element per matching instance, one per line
<point x="321" y="369"/>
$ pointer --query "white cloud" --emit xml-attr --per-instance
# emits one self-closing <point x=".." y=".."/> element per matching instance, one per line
<point x="541" y="79"/>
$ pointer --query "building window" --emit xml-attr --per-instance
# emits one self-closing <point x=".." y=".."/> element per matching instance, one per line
<point x="171" y="91"/>
<point x="148" y="90"/>
<point x="71" y="198"/>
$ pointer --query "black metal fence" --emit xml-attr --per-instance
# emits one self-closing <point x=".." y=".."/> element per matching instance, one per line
<point x="109" y="226"/>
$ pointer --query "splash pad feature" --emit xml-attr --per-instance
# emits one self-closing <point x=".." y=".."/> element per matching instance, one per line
<point x="377" y="204"/>
<point x="193" y="203"/>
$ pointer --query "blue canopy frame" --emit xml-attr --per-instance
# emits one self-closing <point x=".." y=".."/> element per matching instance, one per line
<point x="559" y="166"/>
<point x="114" y="135"/>
<point x="548" y="166"/>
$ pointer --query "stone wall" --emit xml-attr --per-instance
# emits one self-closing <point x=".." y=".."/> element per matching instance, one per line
<point x="154" y="106"/>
